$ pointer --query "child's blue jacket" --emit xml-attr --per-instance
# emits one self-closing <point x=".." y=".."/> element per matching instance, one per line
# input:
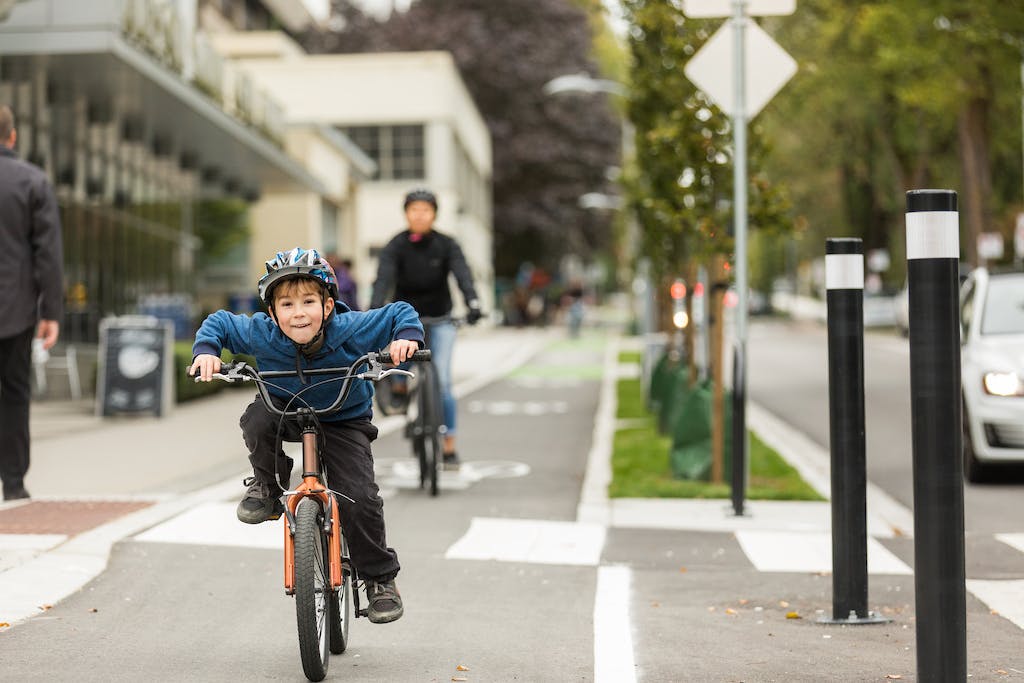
<point x="347" y="336"/>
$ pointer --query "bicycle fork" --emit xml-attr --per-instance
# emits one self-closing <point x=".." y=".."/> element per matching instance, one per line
<point x="312" y="486"/>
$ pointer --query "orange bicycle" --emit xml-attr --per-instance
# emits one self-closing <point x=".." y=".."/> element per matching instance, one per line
<point x="318" y="571"/>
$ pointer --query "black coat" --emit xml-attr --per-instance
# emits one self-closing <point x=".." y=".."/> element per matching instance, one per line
<point x="417" y="272"/>
<point x="31" y="254"/>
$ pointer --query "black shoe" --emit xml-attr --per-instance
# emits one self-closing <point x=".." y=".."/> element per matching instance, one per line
<point x="451" y="461"/>
<point x="259" y="504"/>
<point x="385" y="602"/>
<point x="16" y="493"/>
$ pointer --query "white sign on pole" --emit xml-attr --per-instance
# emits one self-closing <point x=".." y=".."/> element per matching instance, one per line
<point x="990" y="246"/>
<point x="706" y="9"/>
<point x="768" y="68"/>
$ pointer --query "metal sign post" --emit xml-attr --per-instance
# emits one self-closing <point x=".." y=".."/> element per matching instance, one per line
<point x="772" y="67"/>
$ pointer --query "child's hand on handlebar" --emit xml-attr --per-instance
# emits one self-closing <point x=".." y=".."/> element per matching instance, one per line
<point x="401" y="350"/>
<point x="206" y="365"/>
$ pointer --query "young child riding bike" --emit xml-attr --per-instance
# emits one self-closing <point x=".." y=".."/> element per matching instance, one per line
<point x="307" y="328"/>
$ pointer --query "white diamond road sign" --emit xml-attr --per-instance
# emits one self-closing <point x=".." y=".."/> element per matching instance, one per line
<point x="706" y="9"/>
<point x="768" y="68"/>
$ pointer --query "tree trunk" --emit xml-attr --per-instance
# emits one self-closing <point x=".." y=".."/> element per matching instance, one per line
<point x="720" y="283"/>
<point x="977" y="175"/>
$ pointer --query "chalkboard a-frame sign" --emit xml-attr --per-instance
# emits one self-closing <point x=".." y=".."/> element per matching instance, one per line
<point x="134" y="373"/>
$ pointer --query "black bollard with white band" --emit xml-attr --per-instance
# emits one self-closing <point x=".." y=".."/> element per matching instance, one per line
<point x="844" y="282"/>
<point x="933" y="254"/>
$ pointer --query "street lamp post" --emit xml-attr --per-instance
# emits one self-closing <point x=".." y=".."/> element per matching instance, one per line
<point x="585" y="83"/>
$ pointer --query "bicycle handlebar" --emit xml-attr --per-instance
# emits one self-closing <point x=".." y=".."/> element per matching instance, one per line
<point x="240" y="371"/>
<point x="421" y="355"/>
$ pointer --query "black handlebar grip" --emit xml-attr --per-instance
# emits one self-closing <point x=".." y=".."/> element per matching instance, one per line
<point x="421" y="355"/>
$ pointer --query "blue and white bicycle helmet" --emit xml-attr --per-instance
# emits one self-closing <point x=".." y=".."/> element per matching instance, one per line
<point x="297" y="263"/>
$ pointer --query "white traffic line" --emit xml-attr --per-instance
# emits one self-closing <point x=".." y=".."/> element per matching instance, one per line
<point x="613" y="629"/>
<point x="530" y="540"/>
<point x="801" y="552"/>
<point x="1004" y="597"/>
<point x="1012" y="540"/>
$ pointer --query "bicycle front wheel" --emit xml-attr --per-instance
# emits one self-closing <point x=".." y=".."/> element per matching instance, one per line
<point x="312" y="589"/>
<point x="341" y="604"/>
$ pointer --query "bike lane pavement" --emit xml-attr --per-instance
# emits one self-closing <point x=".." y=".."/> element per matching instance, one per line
<point x="500" y="569"/>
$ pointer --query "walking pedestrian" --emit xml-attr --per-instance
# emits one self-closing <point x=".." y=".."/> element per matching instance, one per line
<point x="32" y="305"/>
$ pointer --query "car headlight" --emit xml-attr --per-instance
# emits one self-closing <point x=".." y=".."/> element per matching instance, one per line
<point x="1003" y="384"/>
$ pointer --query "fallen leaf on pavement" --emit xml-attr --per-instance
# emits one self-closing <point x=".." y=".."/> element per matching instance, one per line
<point x="461" y="668"/>
<point x="4" y="624"/>
<point x="1003" y="672"/>
<point x="783" y="603"/>
<point x="744" y="601"/>
<point x="792" y="615"/>
<point x="458" y="678"/>
<point x="93" y="609"/>
<point x="893" y="677"/>
<point x="730" y="610"/>
<point x="45" y="607"/>
<point x="994" y="612"/>
<point x="682" y="570"/>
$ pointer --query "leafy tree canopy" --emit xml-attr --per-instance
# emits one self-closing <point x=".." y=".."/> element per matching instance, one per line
<point x="548" y="150"/>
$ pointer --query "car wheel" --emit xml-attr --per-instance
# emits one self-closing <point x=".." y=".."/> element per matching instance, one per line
<point x="974" y="471"/>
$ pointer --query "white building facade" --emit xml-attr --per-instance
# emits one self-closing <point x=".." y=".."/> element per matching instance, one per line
<point x="411" y="114"/>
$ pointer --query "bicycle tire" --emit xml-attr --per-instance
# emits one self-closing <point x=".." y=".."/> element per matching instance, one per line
<point x="430" y="416"/>
<point x="341" y="605"/>
<point x="312" y="589"/>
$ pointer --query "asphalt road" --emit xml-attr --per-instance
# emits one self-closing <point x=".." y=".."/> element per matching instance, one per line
<point x="789" y="376"/>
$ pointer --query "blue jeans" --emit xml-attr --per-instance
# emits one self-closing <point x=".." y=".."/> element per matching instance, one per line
<point x="441" y="342"/>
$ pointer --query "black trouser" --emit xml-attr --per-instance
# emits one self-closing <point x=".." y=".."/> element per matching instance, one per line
<point x="349" y="464"/>
<point x="15" y="395"/>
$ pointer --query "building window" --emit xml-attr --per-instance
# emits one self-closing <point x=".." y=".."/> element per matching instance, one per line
<point x="398" y="150"/>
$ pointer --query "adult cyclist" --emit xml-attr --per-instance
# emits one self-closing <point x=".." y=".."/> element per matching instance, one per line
<point x="414" y="267"/>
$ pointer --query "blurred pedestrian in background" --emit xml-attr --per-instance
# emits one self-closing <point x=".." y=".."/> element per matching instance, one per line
<point x="347" y="292"/>
<point x="573" y="301"/>
<point x="32" y="304"/>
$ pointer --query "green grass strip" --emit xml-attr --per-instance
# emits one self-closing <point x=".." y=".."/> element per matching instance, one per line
<point x="641" y="465"/>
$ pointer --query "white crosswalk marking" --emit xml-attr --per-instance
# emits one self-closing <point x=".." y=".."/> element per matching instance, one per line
<point x="530" y="540"/>
<point x="784" y="551"/>
<point x="215" y="524"/>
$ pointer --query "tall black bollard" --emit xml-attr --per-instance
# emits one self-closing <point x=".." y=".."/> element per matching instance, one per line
<point x="844" y="280"/>
<point x="933" y="252"/>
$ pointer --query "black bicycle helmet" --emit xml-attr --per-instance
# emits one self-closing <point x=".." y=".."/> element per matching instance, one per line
<point x="420" y="194"/>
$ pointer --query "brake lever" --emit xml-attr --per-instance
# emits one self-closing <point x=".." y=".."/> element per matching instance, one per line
<point x="377" y="373"/>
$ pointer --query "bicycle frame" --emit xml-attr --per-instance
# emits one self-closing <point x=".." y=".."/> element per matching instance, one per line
<point x="311" y="486"/>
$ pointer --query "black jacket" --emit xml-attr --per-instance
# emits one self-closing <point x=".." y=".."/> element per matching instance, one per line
<point x="31" y="253"/>
<point x="417" y="271"/>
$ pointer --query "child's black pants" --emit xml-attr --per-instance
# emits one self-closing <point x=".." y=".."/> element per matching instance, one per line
<point x="349" y="463"/>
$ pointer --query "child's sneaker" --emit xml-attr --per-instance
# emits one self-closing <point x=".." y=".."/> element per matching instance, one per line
<point x="385" y="602"/>
<point x="259" y="504"/>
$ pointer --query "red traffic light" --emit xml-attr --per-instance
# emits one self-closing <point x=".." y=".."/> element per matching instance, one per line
<point x="677" y="290"/>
